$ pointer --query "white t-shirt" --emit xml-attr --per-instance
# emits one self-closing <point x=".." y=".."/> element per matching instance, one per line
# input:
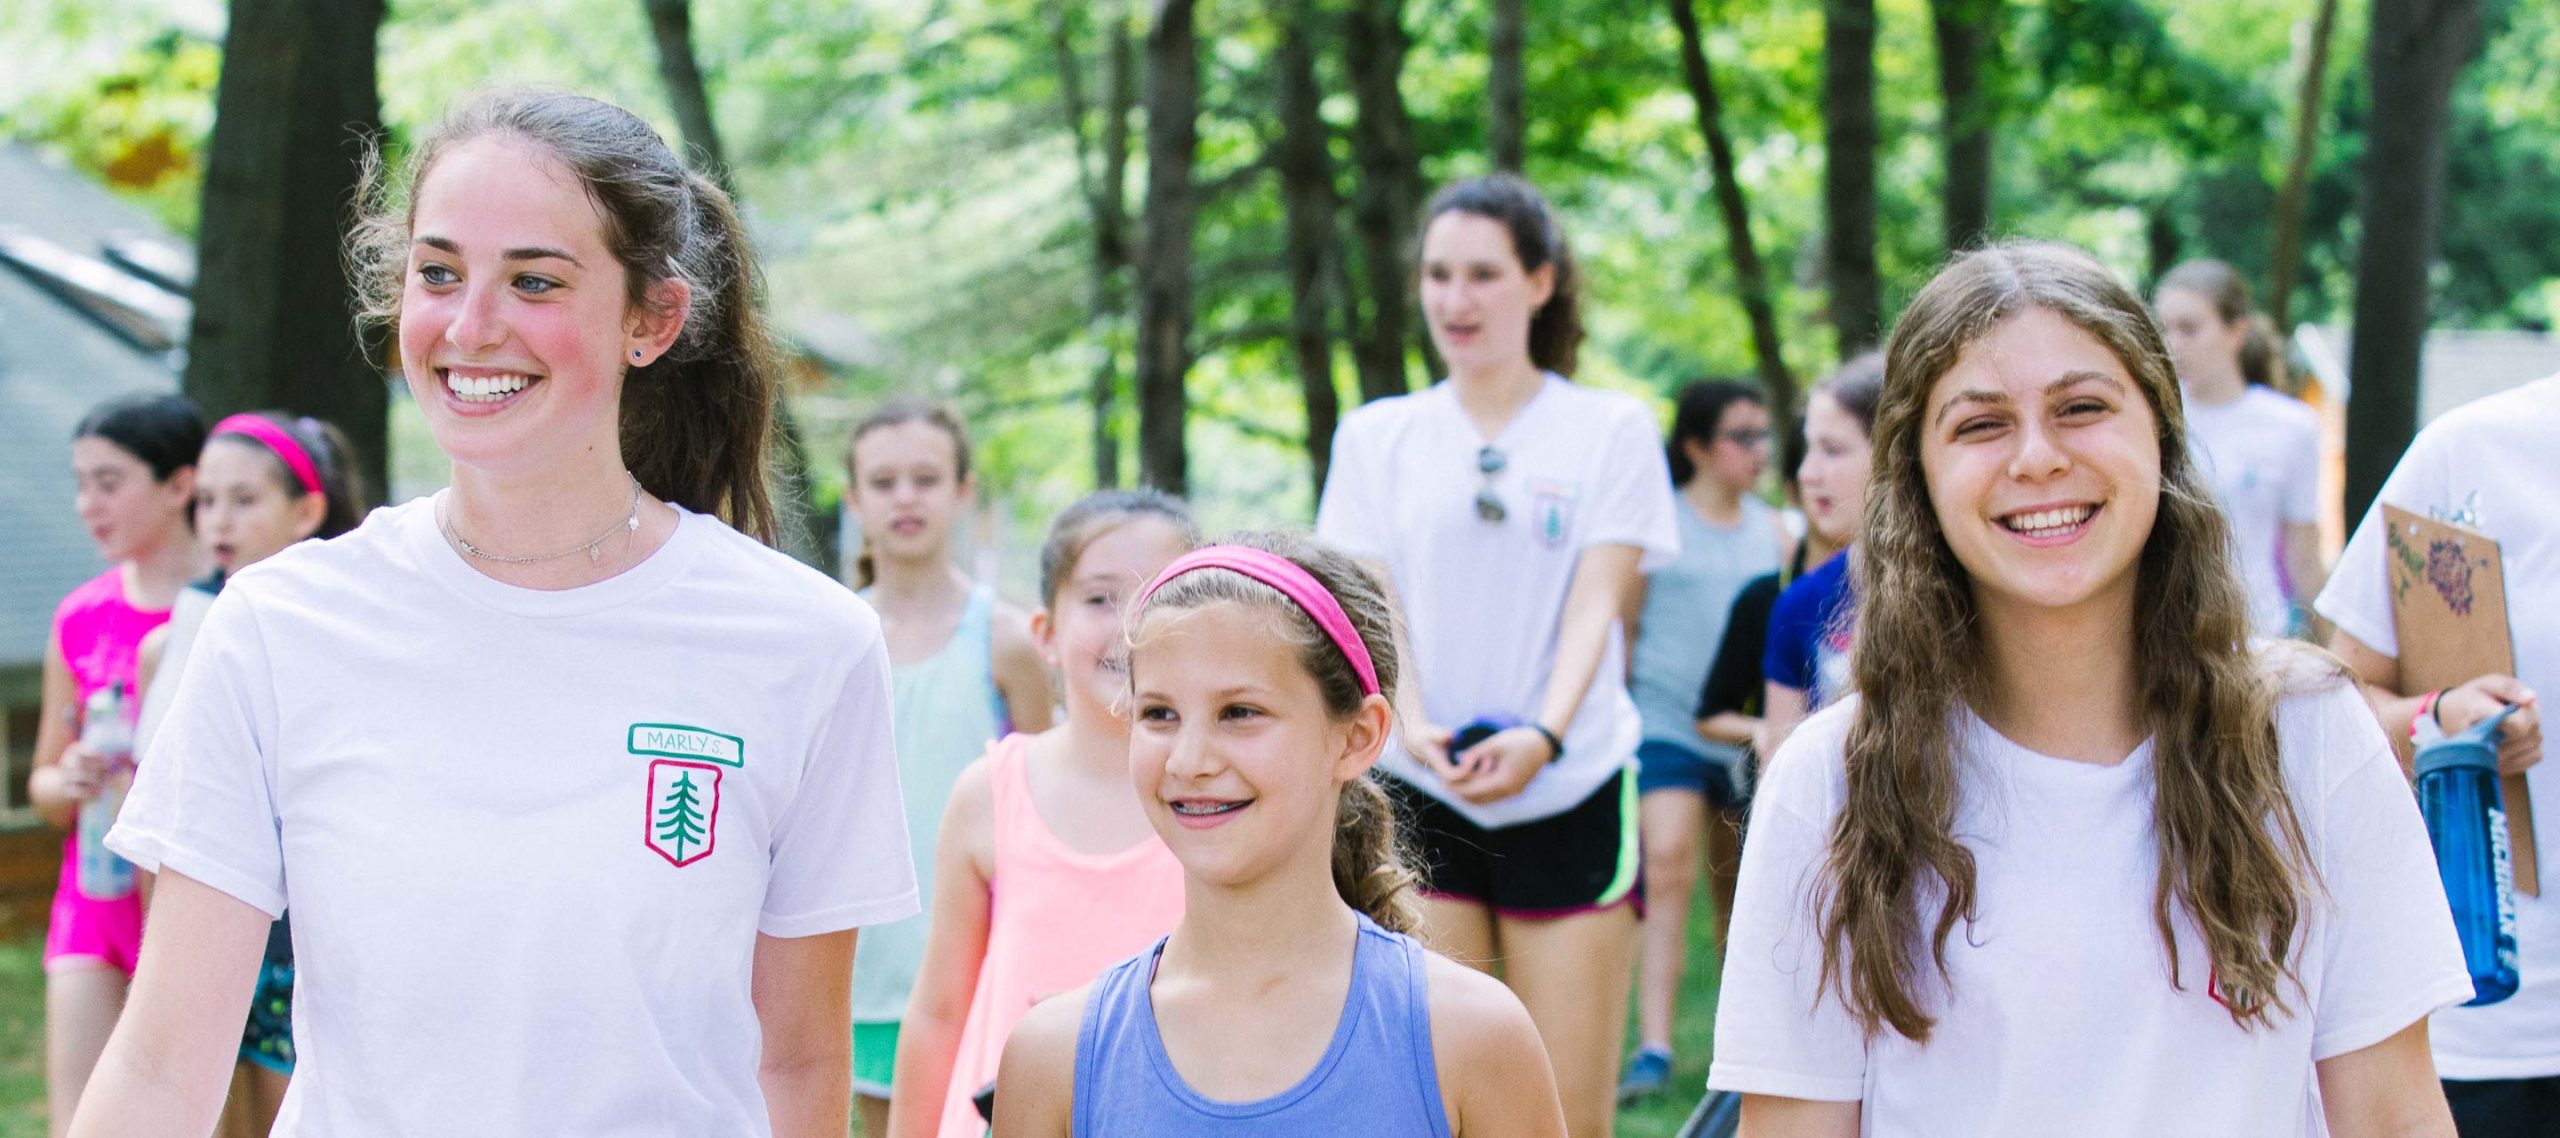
<point x="529" y="838"/>
<point x="1482" y="600"/>
<point x="2061" y="1018"/>
<point x="2262" y="453"/>
<point x="2499" y="449"/>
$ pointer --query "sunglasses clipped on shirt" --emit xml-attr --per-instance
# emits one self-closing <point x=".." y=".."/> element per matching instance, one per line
<point x="1489" y="462"/>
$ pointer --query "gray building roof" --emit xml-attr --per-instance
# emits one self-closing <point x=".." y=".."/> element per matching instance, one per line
<point x="55" y="363"/>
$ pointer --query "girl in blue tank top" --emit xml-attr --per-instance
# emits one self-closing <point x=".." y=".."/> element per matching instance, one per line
<point x="1290" y="1000"/>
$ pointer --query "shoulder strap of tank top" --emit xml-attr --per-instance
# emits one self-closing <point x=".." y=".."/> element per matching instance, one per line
<point x="1009" y="789"/>
<point x="1112" y="1007"/>
<point x="976" y="637"/>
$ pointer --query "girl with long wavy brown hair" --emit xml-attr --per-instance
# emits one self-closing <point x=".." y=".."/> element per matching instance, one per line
<point x="2080" y="857"/>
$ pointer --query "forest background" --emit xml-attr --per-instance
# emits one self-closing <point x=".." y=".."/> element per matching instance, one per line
<point x="993" y="202"/>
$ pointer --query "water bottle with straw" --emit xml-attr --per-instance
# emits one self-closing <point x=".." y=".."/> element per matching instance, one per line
<point x="107" y="732"/>
<point x="2467" y="823"/>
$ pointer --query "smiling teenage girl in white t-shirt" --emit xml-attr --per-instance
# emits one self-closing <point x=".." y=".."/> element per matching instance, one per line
<point x="2080" y="859"/>
<point x="577" y="794"/>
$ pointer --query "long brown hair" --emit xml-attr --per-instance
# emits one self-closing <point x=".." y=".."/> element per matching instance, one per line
<point x="697" y="422"/>
<point x="2231" y="850"/>
<point x="1370" y="870"/>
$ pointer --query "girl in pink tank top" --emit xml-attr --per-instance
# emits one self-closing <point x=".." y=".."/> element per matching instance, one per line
<point x="1047" y="870"/>
<point x="133" y="464"/>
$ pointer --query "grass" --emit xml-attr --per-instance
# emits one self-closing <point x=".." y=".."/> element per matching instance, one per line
<point x="1691" y="1036"/>
<point x="22" y="1113"/>
<point x="22" y="1039"/>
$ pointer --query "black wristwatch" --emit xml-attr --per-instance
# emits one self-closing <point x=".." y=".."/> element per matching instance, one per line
<point x="1553" y="744"/>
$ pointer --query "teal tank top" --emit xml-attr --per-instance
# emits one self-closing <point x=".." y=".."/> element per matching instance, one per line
<point x="946" y="710"/>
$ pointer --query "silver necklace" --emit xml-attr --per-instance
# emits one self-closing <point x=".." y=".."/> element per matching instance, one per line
<point x="594" y="546"/>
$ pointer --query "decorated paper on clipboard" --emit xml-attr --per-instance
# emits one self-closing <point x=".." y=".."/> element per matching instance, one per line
<point x="2449" y="610"/>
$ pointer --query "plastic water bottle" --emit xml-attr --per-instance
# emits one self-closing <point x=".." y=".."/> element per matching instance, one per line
<point x="107" y="733"/>
<point x="2467" y="823"/>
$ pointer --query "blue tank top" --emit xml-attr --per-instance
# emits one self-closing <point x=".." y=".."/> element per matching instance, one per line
<point x="1377" y="1077"/>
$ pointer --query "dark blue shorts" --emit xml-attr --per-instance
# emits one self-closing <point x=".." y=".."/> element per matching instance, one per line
<point x="1668" y="766"/>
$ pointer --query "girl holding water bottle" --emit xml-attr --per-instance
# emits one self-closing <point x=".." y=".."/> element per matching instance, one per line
<point x="2487" y="464"/>
<point x="2080" y="857"/>
<point x="134" y="459"/>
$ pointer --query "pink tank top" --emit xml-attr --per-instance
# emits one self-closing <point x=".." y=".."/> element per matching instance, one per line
<point x="1056" y="919"/>
<point x="101" y="635"/>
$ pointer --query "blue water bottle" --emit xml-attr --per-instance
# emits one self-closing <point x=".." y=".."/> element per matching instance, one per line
<point x="2467" y="823"/>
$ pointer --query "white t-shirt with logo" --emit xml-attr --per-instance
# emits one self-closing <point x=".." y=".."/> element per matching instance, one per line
<point x="2060" y="1017"/>
<point x="1483" y="600"/>
<point x="2495" y="456"/>
<point x="529" y="838"/>
<point x="2262" y="454"/>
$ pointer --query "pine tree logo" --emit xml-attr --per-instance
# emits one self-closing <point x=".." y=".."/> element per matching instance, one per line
<point x="683" y="823"/>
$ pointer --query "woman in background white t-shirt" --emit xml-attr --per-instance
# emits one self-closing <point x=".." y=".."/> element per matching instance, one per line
<point x="1512" y="510"/>
<point x="2080" y="858"/>
<point x="2490" y="463"/>
<point x="2260" y="448"/>
<point x="577" y="793"/>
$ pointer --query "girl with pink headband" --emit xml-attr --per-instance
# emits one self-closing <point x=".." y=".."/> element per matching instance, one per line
<point x="265" y="481"/>
<point x="1292" y="997"/>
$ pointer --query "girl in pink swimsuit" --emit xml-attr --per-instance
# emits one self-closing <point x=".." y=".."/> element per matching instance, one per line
<point x="134" y="459"/>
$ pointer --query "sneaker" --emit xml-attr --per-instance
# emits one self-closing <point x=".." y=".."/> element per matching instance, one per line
<point x="1648" y="1074"/>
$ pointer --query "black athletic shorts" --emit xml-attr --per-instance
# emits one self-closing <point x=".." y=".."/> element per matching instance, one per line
<point x="2505" y="1108"/>
<point x="1582" y="860"/>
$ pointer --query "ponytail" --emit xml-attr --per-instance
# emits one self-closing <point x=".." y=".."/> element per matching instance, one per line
<point x="1369" y="869"/>
<point x="697" y="422"/>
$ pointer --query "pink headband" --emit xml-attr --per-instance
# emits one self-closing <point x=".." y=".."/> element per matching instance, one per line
<point x="279" y="440"/>
<point x="1294" y="583"/>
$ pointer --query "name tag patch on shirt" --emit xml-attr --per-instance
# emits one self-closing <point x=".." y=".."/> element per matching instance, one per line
<point x="683" y="819"/>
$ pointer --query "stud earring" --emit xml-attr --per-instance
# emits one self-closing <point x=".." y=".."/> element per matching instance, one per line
<point x="635" y="354"/>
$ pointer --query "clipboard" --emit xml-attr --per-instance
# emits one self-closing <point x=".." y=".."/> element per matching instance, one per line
<point x="2449" y="610"/>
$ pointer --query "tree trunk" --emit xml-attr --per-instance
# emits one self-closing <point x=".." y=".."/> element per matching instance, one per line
<point x="1104" y="179"/>
<point x="671" y="21"/>
<point x="1967" y="30"/>
<point x="2297" y="172"/>
<point x="1506" y="88"/>
<point x="1306" y="190"/>
<point x="1849" y="172"/>
<point x="1172" y="98"/>
<point x="2415" y="51"/>
<point x="1747" y="273"/>
<point x="1388" y="192"/>
<point x="803" y="532"/>
<point x="273" y="322"/>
